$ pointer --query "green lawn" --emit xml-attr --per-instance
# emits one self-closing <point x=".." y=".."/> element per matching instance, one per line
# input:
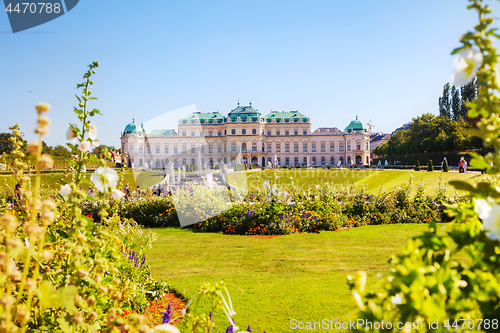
<point x="300" y="276"/>
<point x="373" y="180"/>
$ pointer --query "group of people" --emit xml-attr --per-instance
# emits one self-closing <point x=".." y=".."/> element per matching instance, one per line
<point x="462" y="165"/>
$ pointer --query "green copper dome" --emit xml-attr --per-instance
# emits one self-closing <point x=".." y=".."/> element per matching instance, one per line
<point x="131" y="128"/>
<point x="356" y="126"/>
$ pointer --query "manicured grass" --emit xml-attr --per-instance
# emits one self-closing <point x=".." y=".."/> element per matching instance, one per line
<point x="271" y="281"/>
<point x="372" y="180"/>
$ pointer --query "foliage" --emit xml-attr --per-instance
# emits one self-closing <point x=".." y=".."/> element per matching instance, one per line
<point x="426" y="285"/>
<point x="61" y="271"/>
<point x="429" y="134"/>
<point x="417" y="167"/>
<point x="430" y="167"/>
<point x="445" y="165"/>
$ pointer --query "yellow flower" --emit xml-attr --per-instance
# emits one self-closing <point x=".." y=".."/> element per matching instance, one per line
<point x="42" y="107"/>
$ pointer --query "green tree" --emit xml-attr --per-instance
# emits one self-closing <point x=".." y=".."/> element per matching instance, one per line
<point x="417" y="168"/>
<point x="6" y="144"/>
<point x="456" y="104"/>
<point x="430" y="167"/>
<point x="444" y="102"/>
<point x="445" y="165"/>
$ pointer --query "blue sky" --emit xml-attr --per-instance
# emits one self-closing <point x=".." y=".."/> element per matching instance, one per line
<point x="385" y="61"/>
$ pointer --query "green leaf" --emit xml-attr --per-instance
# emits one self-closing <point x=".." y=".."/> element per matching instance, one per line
<point x="62" y="234"/>
<point x="459" y="185"/>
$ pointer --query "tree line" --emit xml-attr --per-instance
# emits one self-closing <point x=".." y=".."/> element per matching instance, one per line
<point x="447" y="132"/>
<point x="56" y="151"/>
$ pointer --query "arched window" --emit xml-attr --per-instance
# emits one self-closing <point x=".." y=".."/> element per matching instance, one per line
<point x="332" y="160"/>
<point x="254" y="131"/>
<point x="244" y="146"/>
<point x="254" y="146"/>
<point x="243" y="131"/>
<point x="314" y="161"/>
<point x="323" y="160"/>
<point x="233" y="146"/>
<point x="233" y="131"/>
<point x="140" y="148"/>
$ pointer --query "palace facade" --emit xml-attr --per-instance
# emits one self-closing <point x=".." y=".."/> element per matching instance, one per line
<point x="245" y="136"/>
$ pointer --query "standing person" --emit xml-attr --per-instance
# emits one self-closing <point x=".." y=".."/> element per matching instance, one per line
<point x="465" y="165"/>
<point x="17" y="195"/>
<point x="126" y="191"/>
<point x="461" y="165"/>
<point x="138" y="191"/>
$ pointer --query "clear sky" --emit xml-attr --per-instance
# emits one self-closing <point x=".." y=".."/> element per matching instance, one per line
<point x="385" y="61"/>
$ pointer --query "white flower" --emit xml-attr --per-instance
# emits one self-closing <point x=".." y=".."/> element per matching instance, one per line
<point x="110" y="179"/>
<point x="84" y="146"/>
<point x="467" y="64"/>
<point x="166" y="328"/>
<point x="397" y="299"/>
<point x="93" y="132"/>
<point x="65" y="190"/>
<point x="117" y="194"/>
<point x="70" y="133"/>
<point x="266" y="185"/>
<point x="482" y="208"/>
<point x="491" y="223"/>
<point x="95" y="144"/>
<point x="2" y="167"/>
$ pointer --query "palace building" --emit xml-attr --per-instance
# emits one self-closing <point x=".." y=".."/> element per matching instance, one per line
<point x="245" y="136"/>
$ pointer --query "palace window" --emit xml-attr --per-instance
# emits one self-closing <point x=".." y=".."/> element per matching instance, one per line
<point x="219" y="133"/>
<point x="305" y="147"/>
<point x="219" y="148"/>
<point x="304" y="162"/>
<point x="184" y="149"/>
<point x="358" y="147"/>
<point x="296" y="132"/>
<point x="348" y="147"/>
<point x="296" y="161"/>
<point x="148" y="149"/>
<point x="175" y="149"/>
<point x="233" y="131"/>
<point x="278" y="148"/>
<point x="269" y="148"/>
<point x="268" y="132"/>
<point x="332" y="146"/>
<point x="313" y="148"/>
<point x="304" y="132"/>
<point x="193" y="149"/>
<point x="332" y="160"/>
<point x="287" y="148"/>
<point x="254" y="146"/>
<point x="323" y="146"/>
<point x="210" y="133"/>
<point x="254" y="131"/>
<point x="341" y="147"/>
<point x="202" y="149"/>
<point x="277" y="132"/>
<point x="157" y="148"/>
<point x="243" y="131"/>
<point x="287" y="161"/>
<point x="233" y="146"/>
<point x="131" y="148"/>
<point x="286" y="132"/>
<point x="192" y="133"/>
<point x="166" y="149"/>
<point x="184" y="133"/>
<point x="210" y="148"/>
<point x="296" y="147"/>
<point x="244" y="146"/>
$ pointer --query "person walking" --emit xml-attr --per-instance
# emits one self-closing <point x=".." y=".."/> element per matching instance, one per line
<point x="17" y="195"/>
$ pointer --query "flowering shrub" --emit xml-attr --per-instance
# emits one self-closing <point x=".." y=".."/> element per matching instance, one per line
<point x="274" y="211"/>
<point x="428" y="286"/>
